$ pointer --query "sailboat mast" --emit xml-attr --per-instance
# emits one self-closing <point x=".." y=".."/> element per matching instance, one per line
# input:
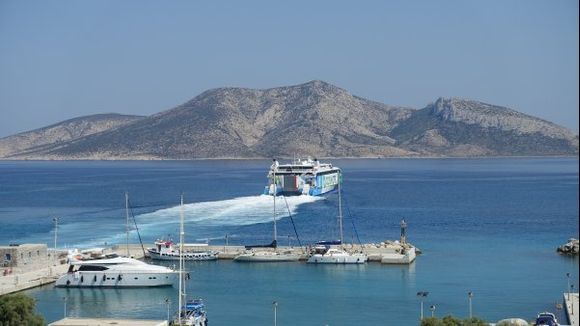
<point x="127" y="216"/>
<point x="181" y="233"/>
<point x="340" y="210"/>
<point x="275" y="229"/>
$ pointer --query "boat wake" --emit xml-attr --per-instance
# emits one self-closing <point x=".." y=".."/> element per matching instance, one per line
<point x="210" y="216"/>
<point x="230" y="212"/>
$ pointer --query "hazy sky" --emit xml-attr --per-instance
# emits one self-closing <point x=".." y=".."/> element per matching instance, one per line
<point x="63" y="59"/>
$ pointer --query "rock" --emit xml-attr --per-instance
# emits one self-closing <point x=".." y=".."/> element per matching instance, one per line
<point x="572" y="247"/>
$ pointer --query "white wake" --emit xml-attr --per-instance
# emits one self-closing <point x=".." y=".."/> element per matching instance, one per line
<point x="230" y="212"/>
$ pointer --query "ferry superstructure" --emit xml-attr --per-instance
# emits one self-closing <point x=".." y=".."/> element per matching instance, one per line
<point x="302" y="177"/>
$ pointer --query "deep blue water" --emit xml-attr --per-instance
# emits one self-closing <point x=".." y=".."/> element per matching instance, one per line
<point x="489" y="226"/>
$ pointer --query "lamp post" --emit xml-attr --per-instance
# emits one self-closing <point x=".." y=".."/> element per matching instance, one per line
<point x="422" y="295"/>
<point x="469" y="296"/>
<point x="64" y="299"/>
<point x="167" y="305"/>
<point x="55" y="220"/>
<point x="227" y="243"/>
<point x="432" y="308"/>
<point x="568" y="288"/>
<point x="571" y="303"/>
<point x="275" y="304"/>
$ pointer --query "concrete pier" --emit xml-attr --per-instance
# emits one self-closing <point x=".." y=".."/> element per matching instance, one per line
<point x="17" y="279"/>
<point x="375" y="251"/>
<point x="571" y="306"/>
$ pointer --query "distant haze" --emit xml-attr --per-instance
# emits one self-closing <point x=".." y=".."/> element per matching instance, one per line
<point x="60" y="60"/>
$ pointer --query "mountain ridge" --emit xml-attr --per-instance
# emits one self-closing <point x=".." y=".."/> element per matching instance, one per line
<point x="314" y="118"/>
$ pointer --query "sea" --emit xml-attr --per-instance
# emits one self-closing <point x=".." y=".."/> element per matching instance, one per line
<point x="489" y="226"/>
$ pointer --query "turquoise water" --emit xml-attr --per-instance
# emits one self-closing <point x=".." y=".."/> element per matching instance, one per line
<point x="485" y="225"/>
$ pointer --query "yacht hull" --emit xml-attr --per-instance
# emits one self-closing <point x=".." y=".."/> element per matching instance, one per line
<point x="116" y="279"/>
<point x="337" y="259"/>
<point x="266" y="258"/>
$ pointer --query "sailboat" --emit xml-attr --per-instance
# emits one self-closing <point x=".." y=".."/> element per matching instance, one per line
<point x="264" y="255"/>
<point x="191" y="313"/>
<point x="325" y="254"/>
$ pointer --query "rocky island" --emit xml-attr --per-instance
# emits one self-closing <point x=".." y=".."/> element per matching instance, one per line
<point x="315" y="118"/>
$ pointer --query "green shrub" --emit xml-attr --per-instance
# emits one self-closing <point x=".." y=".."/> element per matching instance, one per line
<point x="18" y="310"/>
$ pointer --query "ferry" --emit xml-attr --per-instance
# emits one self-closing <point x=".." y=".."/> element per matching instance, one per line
<point x="302" y="177"/>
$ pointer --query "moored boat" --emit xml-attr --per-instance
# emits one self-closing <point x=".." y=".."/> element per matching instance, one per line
<point x="114" y="271"/>
<point x="164" y="250"/>
<point x="330" y="255"/>
<point x="332" y="252"/>
<point x="272" y="255"/>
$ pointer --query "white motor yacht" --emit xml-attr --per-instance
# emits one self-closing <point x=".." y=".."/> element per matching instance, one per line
<point x="114" y="271"/>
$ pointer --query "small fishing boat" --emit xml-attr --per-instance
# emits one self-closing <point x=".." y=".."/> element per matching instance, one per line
<point x="193" y="313"/>
<point x="164" y="250"/>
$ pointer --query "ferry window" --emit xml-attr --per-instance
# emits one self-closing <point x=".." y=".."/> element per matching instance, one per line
<point x="29" y="254"/>
<point x="136" y="278"/>
<point x="8" y="257"/>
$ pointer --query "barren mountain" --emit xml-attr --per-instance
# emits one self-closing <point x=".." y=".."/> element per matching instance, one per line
<point x="457" y="127"/>
<point x="61" y="133"/>
<point x="316" y="119"/>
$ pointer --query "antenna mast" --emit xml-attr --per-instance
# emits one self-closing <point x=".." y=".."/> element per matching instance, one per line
<point x="340" y="209"/>
<point x="181" y="233"/>
<point x="127" y="216"/>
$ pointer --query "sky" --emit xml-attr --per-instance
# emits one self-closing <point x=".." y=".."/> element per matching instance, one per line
<point x="65" y="59"/>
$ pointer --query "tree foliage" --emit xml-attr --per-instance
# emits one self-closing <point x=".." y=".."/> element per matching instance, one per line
<point x="452" y="321"/>
<point x="18" y="310"/>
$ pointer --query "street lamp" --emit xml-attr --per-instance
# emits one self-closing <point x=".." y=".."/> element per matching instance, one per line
<point x="572" y="303"/>
<point x="470" y="295"/>
<point x="568" y="288"/>
<point x="422" y="295"/>
<point x="275" y="304"/>
<point x="55" y="220"/>
<point x="64" y="299"/>
<point x="167" y="304"/>
<point x="432" y="310"/>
